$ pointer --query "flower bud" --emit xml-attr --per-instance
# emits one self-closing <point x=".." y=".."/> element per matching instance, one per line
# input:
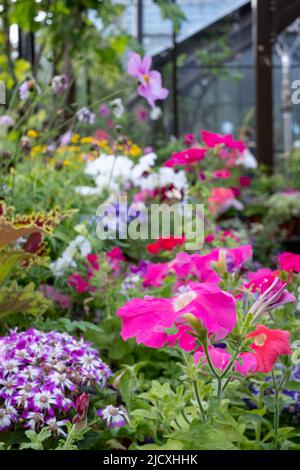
<point x="82" y="406"/>
<point x="196" y="325"/>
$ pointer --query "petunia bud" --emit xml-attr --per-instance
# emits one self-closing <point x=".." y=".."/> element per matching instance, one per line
<point x="221" y="264"/>
<point x="196" y="326"/>
<point x="273" y="295"/>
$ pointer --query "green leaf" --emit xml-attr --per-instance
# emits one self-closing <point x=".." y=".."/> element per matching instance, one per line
<point x="15" y="299"/>
<point x="171" y="444"/>
<point x="203" y="437"/>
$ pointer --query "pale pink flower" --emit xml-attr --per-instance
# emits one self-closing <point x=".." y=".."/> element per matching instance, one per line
<point x="150" y="80"/>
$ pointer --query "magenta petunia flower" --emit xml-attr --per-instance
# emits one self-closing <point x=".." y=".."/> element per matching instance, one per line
<point x="289" y="262"/>
<point x="186" y="157"/>
<point x="220" y="358"/>
<point x="189" y="139"/>
<point x="212" y="139"/>
<point x="155" y="274"/>
<point x="222" y="174"/>
<point x="148" y="319"/>
<point x="150" y="80"/>
<point x="78" y="283"/>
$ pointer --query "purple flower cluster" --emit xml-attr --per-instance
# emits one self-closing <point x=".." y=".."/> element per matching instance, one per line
<point x="41" y="375"/>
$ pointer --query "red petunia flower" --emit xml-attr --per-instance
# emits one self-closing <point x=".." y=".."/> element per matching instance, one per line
<point x="165" y="244"/>
<point x="269" y="345"/>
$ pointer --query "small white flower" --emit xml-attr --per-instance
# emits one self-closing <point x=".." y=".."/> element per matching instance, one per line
<point x="155" y="113"/>
<point x="80" y="245"/>
<point x="248" y="160"/>
<point x="117" y="107"/>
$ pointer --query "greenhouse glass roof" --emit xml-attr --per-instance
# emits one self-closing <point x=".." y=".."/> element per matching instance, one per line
<point x="158" y="34"/>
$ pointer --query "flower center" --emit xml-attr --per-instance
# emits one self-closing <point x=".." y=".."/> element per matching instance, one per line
<point x="183" y="300"/>
<point x="260" y="340"/>
<point x="44" y="399"/>
<point x="146" y="78"/>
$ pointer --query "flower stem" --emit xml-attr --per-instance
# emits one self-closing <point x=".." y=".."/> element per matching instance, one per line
<point x="197" y="395"/>
<point x="218" y="376"/>
<point x="276" y="410"/>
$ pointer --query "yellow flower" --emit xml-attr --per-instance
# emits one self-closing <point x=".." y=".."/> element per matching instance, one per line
<point x="135" y="150"/>
<point x="32" y="134"/>
<point x="75" y="138"/>
<point x="38" y="149"/>
<point x="87" y="140"/>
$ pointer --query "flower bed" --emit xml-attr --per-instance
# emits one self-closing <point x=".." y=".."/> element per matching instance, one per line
<point x="163" y="341"/>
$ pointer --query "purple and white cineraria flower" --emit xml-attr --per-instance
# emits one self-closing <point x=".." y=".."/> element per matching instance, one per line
<point x="86" y="116"/>
<point x="115" y="417"/>
<point x="41" y="375"/>
<point x="27" y="87"/>
<point x="6" y="120"/>
<point x="59" y="84"/>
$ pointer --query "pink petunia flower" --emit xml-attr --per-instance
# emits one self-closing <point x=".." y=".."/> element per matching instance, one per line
<point x="150" y="80"/>
<point x="78" y="283"/>
<point x="289" y="262"/>
<point x="268" y="346"/>
<point x="222" y="199"/>
<point x="222" y="174"/>
<point x="155" y="274"/>
<point x="212" y="139"/>
<point x="209" y="238"/>
<point x="148" y="319"/>
<point x="245" y="181"/>
<point x="186" y="157"/>
<point x="220" y="358"/>
<point x="189" y="139"/>
<point x="115" y="257"/>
